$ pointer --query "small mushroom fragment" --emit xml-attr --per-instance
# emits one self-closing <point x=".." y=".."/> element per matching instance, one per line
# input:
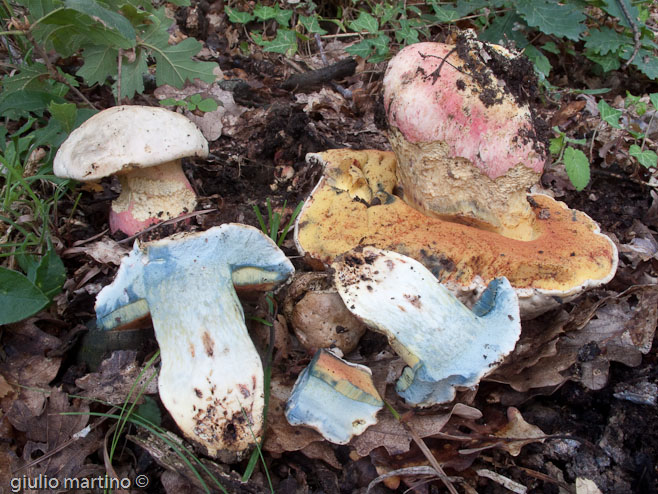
<point x="334" y="397"/>
<point x="318" y="316"/>
<point x="353" y="204"/>
<point x="143" y="146"/>
<point x="445" y="345"/>
<point x="467" y="149"/>
<point x="211" y="377"/>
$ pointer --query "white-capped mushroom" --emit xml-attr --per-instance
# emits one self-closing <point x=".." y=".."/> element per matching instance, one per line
<point x="143" y="146"/>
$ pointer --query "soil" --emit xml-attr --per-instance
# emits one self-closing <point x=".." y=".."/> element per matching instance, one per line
<point x="592" y="434"/>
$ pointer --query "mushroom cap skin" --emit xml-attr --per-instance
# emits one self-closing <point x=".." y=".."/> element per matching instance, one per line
<point x="125" y="137"/>
<point x="335" y="397"/>
<point x="211" y="376"/>
<point x="465" y="147"/>
<point x="444" y="344"/>
<point x="353" y="204"/>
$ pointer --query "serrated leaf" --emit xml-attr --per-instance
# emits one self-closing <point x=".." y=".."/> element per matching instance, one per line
<point x="555" y="145"/>
<point x="175" y="64"/>
<point x="551" y="17"/>
<point x="285" y="42"/>
<point x="380" y="43"/>
<point x="101" y="62"/>
<point x="445" y="14"/>
<point x="19" y="297"/>
<point x="502" y="30"/>
<point x="265" y="13"/>
<point x="542" y="65"/>
<point x="605" y="40"/>
<point x="612" y="8"/>
<point x="609" y="114"/>
<point x="646" y="158"/>
<point x="237" y="17"/>
<point x="607" y="62"/>
<point x="109" y="19"/>
<point x="64" y="113"/>
<point x="646" y="62"/>
<point x="311" y="24"/>
<point x="361" y="49"/>
<point x="577" y="166"/>
<point x="365" y="22"/>
<point x="132" y="76"/>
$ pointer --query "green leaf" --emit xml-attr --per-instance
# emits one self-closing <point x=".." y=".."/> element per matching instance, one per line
<point x="168" y="102"/>
<point x="285" y="42"/>
<point x="132" y="76"/>
<point x="265" y="13"/>
<point x="65" y="113"/>
<point x="19" y="297"/>
<point x="361" y="49"/>
<point x="551" y="17"/>
<point x="577" y="166"/>
<point x="101" y="62"/>
<point x="238" y="17"/>
<point x="195" y="98"/>
<point x="207" y="105"/>
<point x="503" y="29"/>
<point x="50" y="274"/>
<point x="551" y="47"/>
<point x="555" y="145"/>
<point x="150" y="411"/>
<point x="605" y="40"/>
<point x="380" y="43"/>
<point x="365" y="22"/>
<point x="607" y="62"/>
<point x="407" y="33"/>
<point x="311" y="24"/>
<point x="646" y="158"/>
<point x="612" y="8"/>
<point x="18" y="105"/>
<point x="175" y="64"/>
<point x="646" y="62"/>
<point x="109" y="19"/>
<point x="609" y="114"/>
<point x="445" y="14"/>
<point x="542" y="65"/>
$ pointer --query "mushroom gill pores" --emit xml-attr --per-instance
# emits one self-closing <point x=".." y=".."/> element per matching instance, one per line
<point x="211" y="377"/>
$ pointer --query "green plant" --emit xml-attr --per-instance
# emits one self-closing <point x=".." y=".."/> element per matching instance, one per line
<point x="193" y="102"/>
<point x="274" y="221"/>
<point x="627" y="121"/>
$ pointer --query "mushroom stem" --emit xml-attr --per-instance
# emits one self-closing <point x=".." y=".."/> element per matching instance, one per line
<point x="211" y="379"/>
<point x="151" y="195"/>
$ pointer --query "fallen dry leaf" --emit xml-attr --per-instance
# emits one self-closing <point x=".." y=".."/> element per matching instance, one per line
<point x="105" y="251"/>
<point x="116" y="377"/>
<point x="389" y="433"/>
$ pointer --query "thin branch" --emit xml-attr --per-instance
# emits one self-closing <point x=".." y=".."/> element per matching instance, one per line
<point x="636" y="33"/>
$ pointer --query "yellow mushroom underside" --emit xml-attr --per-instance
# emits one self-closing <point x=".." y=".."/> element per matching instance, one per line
<point x="354" y="205"/>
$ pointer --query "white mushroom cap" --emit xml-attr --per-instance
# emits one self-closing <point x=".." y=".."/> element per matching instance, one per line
<point x="125" y="137"/>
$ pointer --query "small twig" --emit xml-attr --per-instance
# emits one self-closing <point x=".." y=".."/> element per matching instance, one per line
<point x="119" y="67"/>
<point x="636" y="33"/>
<point x="318" y="41"/>
<point x="408" y="471"/>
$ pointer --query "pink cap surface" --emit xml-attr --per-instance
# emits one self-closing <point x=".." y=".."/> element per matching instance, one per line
<point x="447" y="108"/>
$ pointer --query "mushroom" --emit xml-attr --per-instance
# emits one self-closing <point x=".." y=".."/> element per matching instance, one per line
<point x="143" y="146"/>
<point x="444" y="344"/>
<point x="211" y="376"/>
<point x="318" y="316"/>
<point x="353" y="204"/>
<point x="467" y="148"/>
<point x="335" y="397"/>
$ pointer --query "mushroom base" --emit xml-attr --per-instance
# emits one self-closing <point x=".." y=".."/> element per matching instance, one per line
<point x="438" y="184"/>
<point x="151" y="195"/>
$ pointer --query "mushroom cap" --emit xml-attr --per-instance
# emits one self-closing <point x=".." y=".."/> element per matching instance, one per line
<point x="125" y="137"/>
<point x="430" y="105"/>
<point x="353" y="204"/>
<point x="335" y="397"/>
